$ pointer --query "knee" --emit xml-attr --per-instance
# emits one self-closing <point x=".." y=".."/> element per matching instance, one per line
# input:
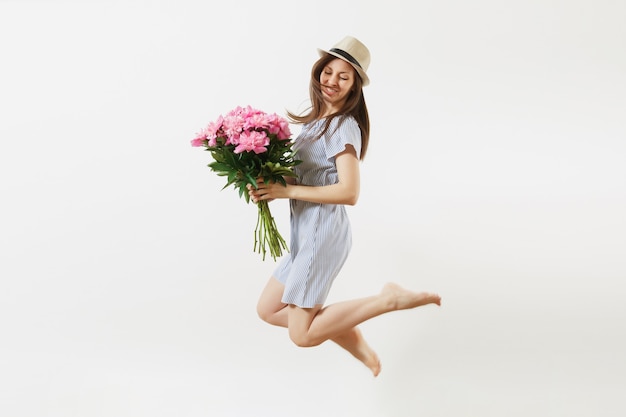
<point x="263" y="313"/>
<point x="270" y="315"/>
<point x="301" y="339"/>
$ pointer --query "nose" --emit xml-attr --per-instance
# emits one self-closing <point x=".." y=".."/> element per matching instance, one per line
<point x="332" y="79"/>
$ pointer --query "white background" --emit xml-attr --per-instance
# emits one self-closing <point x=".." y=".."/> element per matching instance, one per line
<point x="495" y="177"/>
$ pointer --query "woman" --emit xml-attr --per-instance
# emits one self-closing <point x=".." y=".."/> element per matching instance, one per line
<point x="332" y="142"/>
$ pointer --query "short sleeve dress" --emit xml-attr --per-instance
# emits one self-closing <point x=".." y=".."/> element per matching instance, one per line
<point x="320" y="237"/>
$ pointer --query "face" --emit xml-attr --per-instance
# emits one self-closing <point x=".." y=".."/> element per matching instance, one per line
<point x="337" y="78"/>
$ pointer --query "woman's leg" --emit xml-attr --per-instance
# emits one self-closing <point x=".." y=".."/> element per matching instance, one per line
<point x="272" y="310"/>
<point x="352" y="340"/>
<point x="312" y="326"/>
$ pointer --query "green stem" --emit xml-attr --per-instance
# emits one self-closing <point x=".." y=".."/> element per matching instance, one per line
<point x="266" y="233"/>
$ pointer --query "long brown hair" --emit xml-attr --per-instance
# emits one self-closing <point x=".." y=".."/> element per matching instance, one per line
<point x="354" y="105"/>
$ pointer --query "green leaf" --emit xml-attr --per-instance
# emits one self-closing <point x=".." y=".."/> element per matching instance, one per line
<point x="251" y="179"/>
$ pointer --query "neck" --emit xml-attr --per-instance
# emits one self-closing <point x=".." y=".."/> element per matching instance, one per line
<point x="328" y="110"/>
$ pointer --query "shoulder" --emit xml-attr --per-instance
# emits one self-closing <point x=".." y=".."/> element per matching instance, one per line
<point x="343" y="131"/>
<point x="349" y="126"/>
<point x="344" y="125"/>
<point x="344" y="120"/>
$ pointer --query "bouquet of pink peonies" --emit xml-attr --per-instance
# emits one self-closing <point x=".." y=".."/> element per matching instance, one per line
<point x="246" y="145"/>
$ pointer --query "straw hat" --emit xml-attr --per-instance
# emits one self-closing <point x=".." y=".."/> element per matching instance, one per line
<point x="353" y="52"/>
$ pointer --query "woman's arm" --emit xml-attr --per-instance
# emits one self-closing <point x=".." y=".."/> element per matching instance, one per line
<point x="345" y="191"/>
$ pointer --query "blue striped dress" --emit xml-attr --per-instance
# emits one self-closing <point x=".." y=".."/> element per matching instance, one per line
<point x="320" y="237"/>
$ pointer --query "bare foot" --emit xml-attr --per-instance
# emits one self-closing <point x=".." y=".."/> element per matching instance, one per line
<point x="354" y="343"/>
<point x="401" y="299"/>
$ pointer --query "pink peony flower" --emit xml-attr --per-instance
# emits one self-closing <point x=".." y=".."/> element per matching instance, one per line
<point x="213" y="130"/>
<point x="252" y="141"/>
<point x="256" y="120"/>
<point x="278" y="126"/>
<point x="200" y="139"/>
<point x="197" y="142"/>
<point x="232" y="127"/>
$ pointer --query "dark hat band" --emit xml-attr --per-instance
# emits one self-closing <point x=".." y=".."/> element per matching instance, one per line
<point x="347" y="56"/>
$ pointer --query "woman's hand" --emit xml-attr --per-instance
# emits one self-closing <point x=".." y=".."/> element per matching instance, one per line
<point x="267" y="192"/>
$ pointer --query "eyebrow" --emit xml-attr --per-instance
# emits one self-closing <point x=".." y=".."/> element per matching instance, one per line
<point x="340" y="72"/>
